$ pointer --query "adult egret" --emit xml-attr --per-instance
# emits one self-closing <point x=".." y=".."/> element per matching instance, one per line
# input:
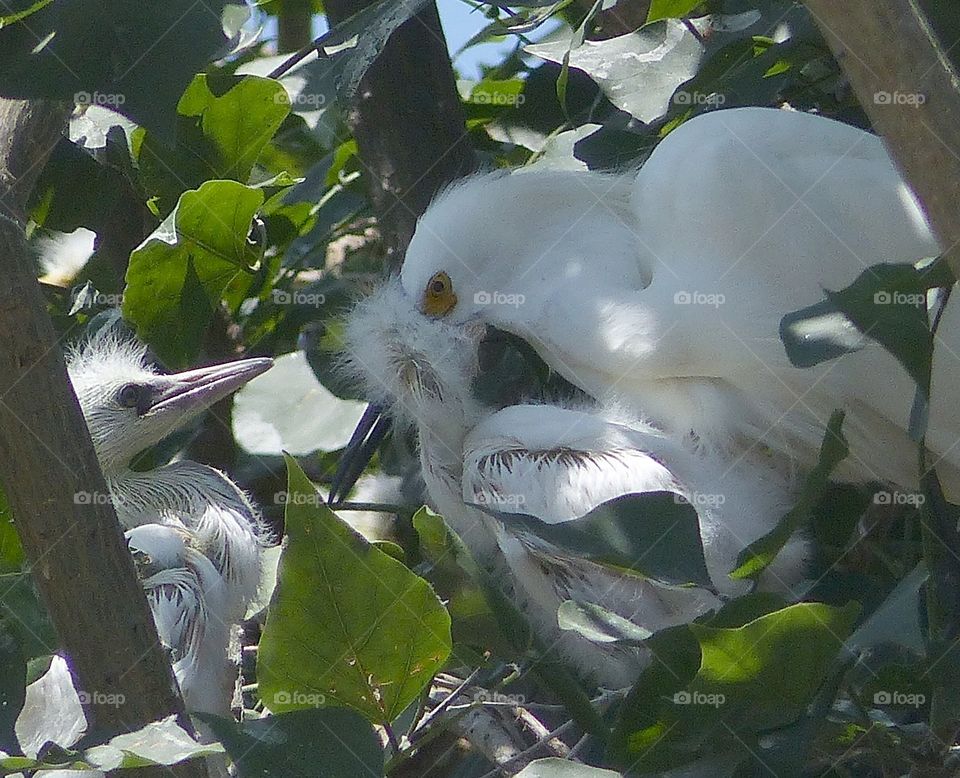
<point x="664" y="289"/>
<point x="128" y="407"/>
<point x="556" y="464"/>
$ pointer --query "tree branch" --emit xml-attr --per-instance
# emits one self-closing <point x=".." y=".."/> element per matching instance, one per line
<point x="911" y="93"/>
<point x="76" y="550"/>
<point x="408" y="123"/>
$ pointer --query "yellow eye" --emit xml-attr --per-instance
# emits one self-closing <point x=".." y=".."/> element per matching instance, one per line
<point x="439" y="298"/>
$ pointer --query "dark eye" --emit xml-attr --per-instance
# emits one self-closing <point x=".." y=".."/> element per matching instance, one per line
<point x="438" y="286"/>
<point x="129" y="396"/>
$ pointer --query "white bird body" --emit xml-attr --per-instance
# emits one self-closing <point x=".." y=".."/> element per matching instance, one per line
<point x="201" y="536"/>
<point x="187" y="597"/>
<point x="555" y="464"/>
<point x="664" y="290"/>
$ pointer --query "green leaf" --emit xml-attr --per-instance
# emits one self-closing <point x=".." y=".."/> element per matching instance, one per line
<point x="13" y="689"/>
<point x="224" y="122"/>
<point x="598" y="624"/>
<point x="756" y="557"/>
<point x="671" y="9"/>
<point x="629" y="532"/>
<point x="348" y="624"/>
<point x="134" y="57"/>
<point x="886" y="303"/>
<point x="11" y="552"/>
<point x="178" y="275"/>
<point x="159" y="743"/>
<point x="312" y="743"/>
<point x="554" y="767"/>
<point x="712" y="688"/>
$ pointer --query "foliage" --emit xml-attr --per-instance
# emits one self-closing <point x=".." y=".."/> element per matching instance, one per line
<point x="229" y="202"/>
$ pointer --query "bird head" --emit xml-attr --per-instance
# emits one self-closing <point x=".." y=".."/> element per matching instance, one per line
<point x="496" y="242"/>
<point x="129" y="406"/>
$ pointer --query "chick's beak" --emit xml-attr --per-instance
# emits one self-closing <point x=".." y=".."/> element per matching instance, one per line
<point x="194" y="390"/>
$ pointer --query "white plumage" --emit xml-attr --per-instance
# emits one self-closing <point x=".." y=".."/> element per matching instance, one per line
<point x="664" y="290"/>
<point x="197" y="535"/>
<point x="555" y="464"/>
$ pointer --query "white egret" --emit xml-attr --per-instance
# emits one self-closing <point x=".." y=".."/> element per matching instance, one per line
<point x="555" y="464"/>
<point x="664" y="289"/>
<point x="188" y="599"/>
<point x="128" y="407"/>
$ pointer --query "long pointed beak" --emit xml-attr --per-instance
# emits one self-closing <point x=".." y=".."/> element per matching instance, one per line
<point x="371" y="429"/>
<point x="194" y="390"/>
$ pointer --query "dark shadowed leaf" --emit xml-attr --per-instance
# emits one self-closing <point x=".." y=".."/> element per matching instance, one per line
<point x="13" y="685"/>
<point x="312" y="743"/>
<point x="135" y="57"/>
<point x="656" y="534"/>
<point x="887" y="303"/>
<point x="348" y="624"/>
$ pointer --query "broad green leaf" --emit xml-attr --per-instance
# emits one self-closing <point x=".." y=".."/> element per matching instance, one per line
<point x="656" y="534"/>
<point x="756" y="557"/>
<point x="348" y="624"/>
<point x="133" y="57"/>
<point x="25" y="616"/>
<point x="159" y="743"/>
<point x="886" y="303"/>
<point x="598" y="624"/>
<point x="178" y="275"/>
<point x="554" y="767"/>
<point x="713" y="689"/>
<point x="11" y="552"/>
<point x="292" y="411"/>
<point x="312" y="743"/>
<point x="671" y="9"/>
<point x="13" y="687"/>
<point x="223" y="124"/>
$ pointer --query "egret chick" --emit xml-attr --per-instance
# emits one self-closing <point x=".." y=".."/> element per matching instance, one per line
<point x="555" y="464"/>
<point x="128" y="407"/>
<point x="664" y="290"/>
<point x="189" y="602"/>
